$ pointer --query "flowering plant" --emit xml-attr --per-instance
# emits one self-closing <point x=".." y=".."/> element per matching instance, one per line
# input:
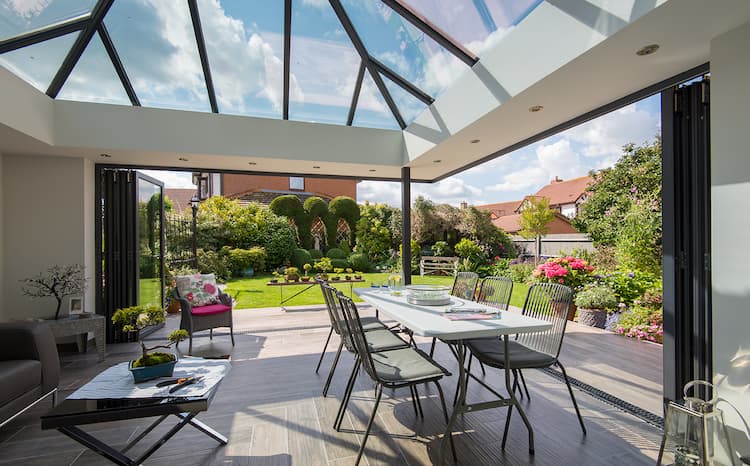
<point x="641" y="323"/>
<point x="569" y="271"/>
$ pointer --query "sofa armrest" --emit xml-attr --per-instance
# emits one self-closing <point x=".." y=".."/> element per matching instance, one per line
<point x="32" y="341"/>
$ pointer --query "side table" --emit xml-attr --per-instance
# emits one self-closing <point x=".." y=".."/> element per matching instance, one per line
<point x="81" y="325"/>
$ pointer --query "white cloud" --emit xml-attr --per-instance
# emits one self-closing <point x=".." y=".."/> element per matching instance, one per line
<point x="379" y="192"/>
<point x="452" y="191"/>
<point x="27" y="8"/>
<point x="316" y="3"/>
<point x="559" y="159"/>
<point x="172" y="179"/>
<point x="524" y="180"/>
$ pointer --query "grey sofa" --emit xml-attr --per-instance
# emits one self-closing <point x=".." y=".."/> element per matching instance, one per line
<point x="29" y="367"/>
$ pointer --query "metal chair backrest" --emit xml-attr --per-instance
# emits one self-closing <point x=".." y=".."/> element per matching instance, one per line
<point x="496" y="292"/>
<point x="550" y="302"/>
<point x="338" y="318"/>
<point x="357" y="334"/>
<point x="464" y="285"/>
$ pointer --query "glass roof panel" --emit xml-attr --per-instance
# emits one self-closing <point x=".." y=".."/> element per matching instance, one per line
<point x="245" y="47"/>
<point x="324" y="65"/>
<point x="476" y="24"/>
<point x="21" y="16"/>
<point x="409" y="106"/>
<point x="94" y="78"/>
<point x="404" y="48"/>
<point x="372" y="111"/>
<point x="37" y="64"/>
<point x="156" y="43"/>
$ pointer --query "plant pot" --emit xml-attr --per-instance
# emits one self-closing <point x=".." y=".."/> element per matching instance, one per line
<point x="141" y="374"/>
<point x="305" y="279"/>
<point x="592" y="317"/>
<point x="174" y="307"/>
<point x="348" y="277"/>
<point x="358" y="277"/>
<point x="335" y="279"/>
<point x="273" y="280"/>
<point x="292" y="278"/>
<point x="569" y="313"/>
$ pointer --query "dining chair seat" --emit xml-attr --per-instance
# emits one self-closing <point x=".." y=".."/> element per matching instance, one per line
<point x="372" y="323"/>
<point x="384" y="339"/>
<point x="400" y="366"/>
<point x="490" y="351"/>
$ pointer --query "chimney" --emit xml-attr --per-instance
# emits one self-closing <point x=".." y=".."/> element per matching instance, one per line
<point x="464" y="204"/>
<point x="556" y="179"/>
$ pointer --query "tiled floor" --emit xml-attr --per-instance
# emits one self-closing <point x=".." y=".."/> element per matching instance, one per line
<point x="271" y="408"/>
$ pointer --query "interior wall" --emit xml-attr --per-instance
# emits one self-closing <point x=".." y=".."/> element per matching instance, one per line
<point x="730" y="189"/>
<point x="47" y="217"/>
<point x="2" y="250"/>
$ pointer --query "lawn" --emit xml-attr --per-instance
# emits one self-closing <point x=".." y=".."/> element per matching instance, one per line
<point x="253" y="292"/>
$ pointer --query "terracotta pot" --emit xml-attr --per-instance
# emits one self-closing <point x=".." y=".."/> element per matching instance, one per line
<point x="174" y="307"/>
<point x="305" y="279"/>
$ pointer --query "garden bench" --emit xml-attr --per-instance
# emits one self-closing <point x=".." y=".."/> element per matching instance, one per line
<point x="438" y="264"/>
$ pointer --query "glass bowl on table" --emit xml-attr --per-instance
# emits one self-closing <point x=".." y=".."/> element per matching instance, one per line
<point x="428" y="295"/>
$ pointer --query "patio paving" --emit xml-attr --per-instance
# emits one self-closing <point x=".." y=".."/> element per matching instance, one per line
<point x="271" y="408"/>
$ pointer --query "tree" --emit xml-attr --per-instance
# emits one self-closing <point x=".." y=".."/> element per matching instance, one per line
<point x="58" y="283"/>
<point x="535" y="218"/>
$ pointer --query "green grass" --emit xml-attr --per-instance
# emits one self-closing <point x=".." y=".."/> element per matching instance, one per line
<point x="254" y="293"/>
<point x="149" y="291"/>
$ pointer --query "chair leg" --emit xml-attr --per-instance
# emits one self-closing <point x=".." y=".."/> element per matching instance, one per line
<point x="432" y="347"/>
<point x="414" y="401"/>
<point x="482" y="366"/>
<point x="525" y="388"/>
<point x="231" y="333"/>
<point x="210" y="334"/>
<point x="516" y="386"/>
<point x="333" y="369"/>
<point x="328" y="340"/>
<point x="369" y="424"/>
<point x="445" y="414"/>
<point x="419" y="402"/>
<point x="572" y="397"/>
<point x="458" y="382"/>
<point x="190" y="345"/>
<point x="347" y="395"/>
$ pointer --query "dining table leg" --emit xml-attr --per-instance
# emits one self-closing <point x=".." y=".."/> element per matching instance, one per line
<point x="460" y="404"/>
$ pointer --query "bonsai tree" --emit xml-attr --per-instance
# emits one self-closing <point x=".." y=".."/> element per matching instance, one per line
<point x="307" y="268"/>
<point x="291" y="273"/>
<point x="136" y="318"/>
<point x="58" y="282"/>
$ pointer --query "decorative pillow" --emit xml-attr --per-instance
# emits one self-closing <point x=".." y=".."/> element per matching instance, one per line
<point x="198" y="290"/>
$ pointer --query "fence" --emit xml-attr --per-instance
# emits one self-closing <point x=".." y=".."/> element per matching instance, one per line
<point x="553" y="245"/>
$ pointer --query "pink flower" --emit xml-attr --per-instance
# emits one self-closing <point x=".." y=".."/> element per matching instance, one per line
<point x="189" y="296"/>
<point x="209" y="288"/>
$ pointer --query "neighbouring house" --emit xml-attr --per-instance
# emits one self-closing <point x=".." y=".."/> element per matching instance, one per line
<point x="265" y="188"/>
<point x="511" y="224"/>
<point x="566" y="196"/>
<point x="501" y="209"/>
<point x="180" y="198"/>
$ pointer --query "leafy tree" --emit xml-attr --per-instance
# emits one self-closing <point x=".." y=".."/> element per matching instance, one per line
<point x="535" y="219"/>
<point x="374" y="236"/>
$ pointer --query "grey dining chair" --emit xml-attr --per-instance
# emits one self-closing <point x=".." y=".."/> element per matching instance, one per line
<point x="464" y="287"/>
<point x="396" y="368"/>
<point x="545" y="301"/>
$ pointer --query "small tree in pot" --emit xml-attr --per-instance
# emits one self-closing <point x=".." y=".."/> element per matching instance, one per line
<point x="58" y="282"/>
<point x="593" y="303"/>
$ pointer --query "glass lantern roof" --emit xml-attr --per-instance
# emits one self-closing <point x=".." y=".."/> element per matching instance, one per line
<point x="346" y="62"/>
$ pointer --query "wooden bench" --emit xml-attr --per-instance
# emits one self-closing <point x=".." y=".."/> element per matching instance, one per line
<point x="437" y="264"/>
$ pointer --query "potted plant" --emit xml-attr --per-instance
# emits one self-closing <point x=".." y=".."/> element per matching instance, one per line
<point x="59" y="282"/>
<point x="148" y="365"/>
<point x="323" y="266"/>
<point x="307" y="268"/>
<point x="569" y="271"/>
<point x="275" y="278"/>
<point x="337" y="271"/>
<point x="348" y="275"/>
<point x="291" y="274"/>
<point x="358" y="275"/>
<point x="593" y="303"/>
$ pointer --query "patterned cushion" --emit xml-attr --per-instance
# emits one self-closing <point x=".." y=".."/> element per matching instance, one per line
<point x="198" y="290"/>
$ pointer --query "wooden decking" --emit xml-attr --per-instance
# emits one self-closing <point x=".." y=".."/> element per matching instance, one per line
<point x="270" y="406"/>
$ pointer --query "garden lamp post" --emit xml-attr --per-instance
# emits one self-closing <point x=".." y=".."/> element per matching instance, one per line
<point x="194" y="203"/>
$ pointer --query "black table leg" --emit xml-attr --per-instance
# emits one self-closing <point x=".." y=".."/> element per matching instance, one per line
<point x="206" y="430"/>
<point x="96" y="445"/>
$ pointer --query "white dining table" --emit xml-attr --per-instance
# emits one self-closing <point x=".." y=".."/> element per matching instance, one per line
<point x="432" y="321"/>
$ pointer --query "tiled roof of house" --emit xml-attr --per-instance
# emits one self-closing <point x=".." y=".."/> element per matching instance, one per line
<point x="564" y="192"/>
<point x="180" y="198"/>
<point x="500" y="209"/>
<point x="512" y="224"/>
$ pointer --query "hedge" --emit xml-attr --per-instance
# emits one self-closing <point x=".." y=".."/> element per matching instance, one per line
<point x="315" y="254"/>
<point x="340" y="264"/>
<point x="300" y="257"/>
<point x="360" y="262"/>
<point x="241" y="259"/>
<point x="336" y="253"/>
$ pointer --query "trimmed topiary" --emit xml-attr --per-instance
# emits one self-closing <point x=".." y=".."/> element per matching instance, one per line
<point x="336" y="253"/>
<point x="340" y="263"/>
<point x="360" y="262"/>
<point x="315" y="254"/>
<point x="300" y="257"/>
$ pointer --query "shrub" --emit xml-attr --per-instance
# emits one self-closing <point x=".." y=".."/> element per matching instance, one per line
<point x="300" y="257"/>
<point x="441" y="248"/>
<point x="280" y="241"/>
<point x="241" y="259"/>
<point x="315" y="254"/>
<point x="344" y="246"/>
<point x="213" y="262"/>
<point x="568" y="270"/>
<point x="415" y="255"/>
<point x="641" y="323"/>
<point x="499" y="267"/>
<point x="336" y="253"/>
<point x="628" y="286"/>
<point x="468" y="249"/>
<point x="596" y="297"/>
<point x="340" y="263"/>
<point x="520" y="273"/>
<point x="360" y="262"/>
<point x="323" y="265"/>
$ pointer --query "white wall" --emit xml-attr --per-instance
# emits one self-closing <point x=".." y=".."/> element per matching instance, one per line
<point x="730" y="225"/>
<point x="47" y="215"/>
<point x="2" y="253"/>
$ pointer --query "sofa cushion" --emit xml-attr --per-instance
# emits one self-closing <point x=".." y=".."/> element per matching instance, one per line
<point x="197" y="289"/>
<point x="19" y="377"/>
<point x="211" y="309"/>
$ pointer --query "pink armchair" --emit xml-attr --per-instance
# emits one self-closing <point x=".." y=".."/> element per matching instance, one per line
<point x="206" y="317"/>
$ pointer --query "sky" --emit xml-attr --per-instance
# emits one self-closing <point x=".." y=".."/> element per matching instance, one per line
<point x="244" y="41"/>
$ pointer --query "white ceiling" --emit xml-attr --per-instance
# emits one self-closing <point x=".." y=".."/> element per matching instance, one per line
<point x="568" y="73"/>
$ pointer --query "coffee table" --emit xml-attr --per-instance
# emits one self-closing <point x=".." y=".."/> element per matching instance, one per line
<point x="70" y="414"/>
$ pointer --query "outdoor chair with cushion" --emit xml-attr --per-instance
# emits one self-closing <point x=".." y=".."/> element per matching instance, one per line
<point x="29" y="367"/>
<point x="397" y="368"/>
<point x="380" y="338"/>
<point x="464" y="287"/>
<point x="203" y="306"/>
<point x="545" y="301"/>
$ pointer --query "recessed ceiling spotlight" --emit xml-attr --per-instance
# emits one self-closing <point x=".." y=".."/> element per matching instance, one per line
<point x="316" y="166"/>
<point x="436" y="161"/>
<point x="474" y="141"/>
<point x="372" y="170"/>
<point x="536" y="108"/>
<point x="106" y="156"/>
<point x="647" y="50"/>
<point x="182" y="159"/>
<point x="252" y="163"/>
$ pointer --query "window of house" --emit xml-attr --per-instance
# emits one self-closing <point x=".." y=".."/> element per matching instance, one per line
<point x="297" y="183"/>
